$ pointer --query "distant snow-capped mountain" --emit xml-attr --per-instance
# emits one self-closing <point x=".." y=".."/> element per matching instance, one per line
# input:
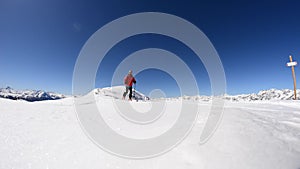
<point x="271" y="94"/>
<point x="117" y="91"/>
<point x="29" y="95"/>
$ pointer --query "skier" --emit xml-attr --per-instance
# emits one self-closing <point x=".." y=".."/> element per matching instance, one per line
<point x="128" y="80"/>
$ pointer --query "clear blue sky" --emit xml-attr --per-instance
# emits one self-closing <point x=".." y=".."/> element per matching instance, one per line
<point x="41" y="39"/>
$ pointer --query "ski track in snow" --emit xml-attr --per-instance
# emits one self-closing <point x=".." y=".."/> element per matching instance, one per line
<point x="260" y="135"/>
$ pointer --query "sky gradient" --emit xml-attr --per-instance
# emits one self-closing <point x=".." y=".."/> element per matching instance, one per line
<point x="40" y="41"/>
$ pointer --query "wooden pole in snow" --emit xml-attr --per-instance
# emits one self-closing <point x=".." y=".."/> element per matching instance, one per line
<point x="293" y="64"/>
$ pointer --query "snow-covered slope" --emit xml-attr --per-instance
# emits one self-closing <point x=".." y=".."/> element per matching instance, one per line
<point x="256" y="135"/>
<point x="116" y="92"/>
<point x="28" y="95"/>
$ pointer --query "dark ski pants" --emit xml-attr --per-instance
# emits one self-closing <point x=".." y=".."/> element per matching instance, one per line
<point x="130" y="92"/>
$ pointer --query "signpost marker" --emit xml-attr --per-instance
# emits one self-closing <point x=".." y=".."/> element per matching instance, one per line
<point x="293" y="64"/>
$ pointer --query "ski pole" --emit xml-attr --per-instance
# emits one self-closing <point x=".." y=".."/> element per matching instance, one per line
<point x="135" y="91"/>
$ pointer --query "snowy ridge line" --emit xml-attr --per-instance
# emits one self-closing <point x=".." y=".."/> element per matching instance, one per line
<point x="117" y="91"/>
<point x="271" y="94"/>
<point x="263" y="95"/>
<point x="29" y="95"/>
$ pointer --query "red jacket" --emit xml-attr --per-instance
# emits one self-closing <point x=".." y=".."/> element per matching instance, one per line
<point x="128" y="80"/>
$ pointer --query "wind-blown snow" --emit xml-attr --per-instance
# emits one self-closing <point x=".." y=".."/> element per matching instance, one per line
<point x="252" y="135"/>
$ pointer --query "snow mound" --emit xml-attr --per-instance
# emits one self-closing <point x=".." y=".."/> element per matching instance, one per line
<point x="116" y="92"/>
<point x="29" y="95"/>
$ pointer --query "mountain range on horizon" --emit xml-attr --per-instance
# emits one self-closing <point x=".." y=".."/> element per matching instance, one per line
<point x="29" y="95"/>
<point x="113" y="92"/>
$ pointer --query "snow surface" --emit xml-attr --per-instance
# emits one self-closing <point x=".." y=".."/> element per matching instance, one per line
<point x="252" y="135"/>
